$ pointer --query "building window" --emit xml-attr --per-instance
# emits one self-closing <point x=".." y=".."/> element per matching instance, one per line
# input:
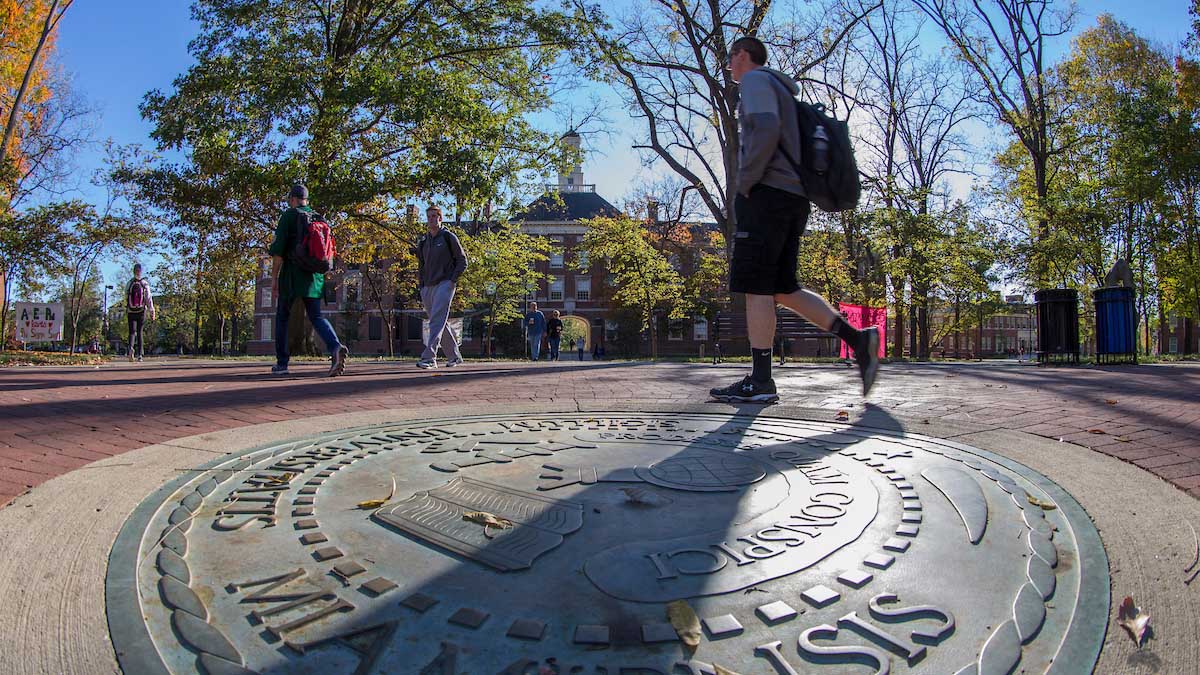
<point x="675" y="329"/>
<point x="583" y="289"/>
<point x="414" y="327"/>
<point x="468" y="329"/>
<point x="610" y="331"/>
<point x="583" y="259"/>
<point x="556" y="259"/>
<point x="264" y="328"/>
<point x="556" y="288"/>
<point x="1174" y="345"/>
<point x="330" y="292"/>
<point x="266" y="297"/>
<point x="266" y="268"/>
<point x="375" y="328"/>
<point x="700" y="329"/>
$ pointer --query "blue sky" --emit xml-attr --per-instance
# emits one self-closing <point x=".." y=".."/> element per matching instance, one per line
<point x="117" y="50"/>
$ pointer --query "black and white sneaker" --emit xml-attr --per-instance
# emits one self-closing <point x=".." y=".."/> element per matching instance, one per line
<point x="747" y="390"/>
<point x="867" y="357"/>
<point x="279" y="370"/>
<point x="338" y="365"/>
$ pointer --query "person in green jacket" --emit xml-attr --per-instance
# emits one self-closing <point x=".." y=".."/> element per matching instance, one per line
<point x="291" y="282"/>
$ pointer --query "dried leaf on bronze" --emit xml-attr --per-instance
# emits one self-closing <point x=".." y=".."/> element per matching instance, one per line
<point x="686" y="623"/>
<point x="376" y="503"/>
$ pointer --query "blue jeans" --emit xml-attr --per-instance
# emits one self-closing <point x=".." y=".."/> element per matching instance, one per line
<point x="535" y="346"/>
<point x="555" y="342"/>
<point x="312" y="307"/>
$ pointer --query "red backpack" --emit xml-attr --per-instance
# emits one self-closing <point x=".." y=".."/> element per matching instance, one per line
<point x="314" y="249"/>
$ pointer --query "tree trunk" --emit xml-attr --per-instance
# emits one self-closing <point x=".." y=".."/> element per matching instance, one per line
<point x="957" y="326"/>
<point x="898" y="339"/>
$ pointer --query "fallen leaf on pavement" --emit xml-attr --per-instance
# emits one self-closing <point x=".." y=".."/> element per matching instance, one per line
<point x="1047" y="506"/>
<point x="282" y="480"/>
<point x="487" y="520"/>
<point x="723" y="671"/>
<point x="1110" y="401"/>
<point x="376" y="503"/>
<point x="1097" y="431"/>
<point x="843" y="415"/>
<point x="683" y="618"/>
<point x="1133" y="620"/>
<point x="1122" y="439"/>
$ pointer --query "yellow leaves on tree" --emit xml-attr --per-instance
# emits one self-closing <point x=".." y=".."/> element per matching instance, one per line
<point x="22" y="23"/>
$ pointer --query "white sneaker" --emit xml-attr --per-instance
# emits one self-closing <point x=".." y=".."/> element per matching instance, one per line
<point x="454" y="362"/>
<point x="431" y="363"/>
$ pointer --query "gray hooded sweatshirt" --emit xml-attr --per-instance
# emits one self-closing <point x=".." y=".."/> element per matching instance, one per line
<point x="767" y="120"/>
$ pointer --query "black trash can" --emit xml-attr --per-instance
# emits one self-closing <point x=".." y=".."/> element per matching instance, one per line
<point x="1116" y="325"/>
<point x="1058" y="325"/>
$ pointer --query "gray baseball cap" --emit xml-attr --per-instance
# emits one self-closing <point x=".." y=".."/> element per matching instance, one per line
<point x="299" y="191"/>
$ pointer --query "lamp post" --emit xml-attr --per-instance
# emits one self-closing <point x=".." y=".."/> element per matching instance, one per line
<point x="107" y="332"/>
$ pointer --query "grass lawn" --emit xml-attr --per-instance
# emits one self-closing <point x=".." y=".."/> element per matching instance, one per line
<point x="9" y="359"/>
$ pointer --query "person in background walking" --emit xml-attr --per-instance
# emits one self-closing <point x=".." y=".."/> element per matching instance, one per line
<point x="440" y="261"/>
<point x="581" y="345"/>
<point x="535" y="327"/>
<point x="292" y="282"/>
<point x="554" y="328"/>
<point x="718" y="356"/>
<point x="138" y="301"/>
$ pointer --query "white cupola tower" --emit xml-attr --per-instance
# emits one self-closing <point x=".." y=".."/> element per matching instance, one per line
<point x="573" y="181"/>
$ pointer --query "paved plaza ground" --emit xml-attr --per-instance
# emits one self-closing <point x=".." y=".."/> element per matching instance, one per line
<point x="60" y="419"/>
<point x="84" y="451"/>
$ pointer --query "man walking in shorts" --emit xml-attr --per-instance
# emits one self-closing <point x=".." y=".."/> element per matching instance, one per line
<point x="771" y="212"/>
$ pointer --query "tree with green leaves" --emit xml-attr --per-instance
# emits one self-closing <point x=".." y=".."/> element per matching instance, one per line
<point x="501" y="272"/>
<point x="644" y="279"/>
<point x="1005" y="45"/>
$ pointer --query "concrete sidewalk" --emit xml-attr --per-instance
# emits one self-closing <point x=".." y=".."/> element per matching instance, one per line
<point x="60" y="419"/>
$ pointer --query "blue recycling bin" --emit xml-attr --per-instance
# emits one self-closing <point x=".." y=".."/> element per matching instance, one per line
<point x="1116" y="325"/>
<point x="1058" y="325"/>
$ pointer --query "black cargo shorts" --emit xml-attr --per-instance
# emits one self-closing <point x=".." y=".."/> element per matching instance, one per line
<point x="766" y="245"/>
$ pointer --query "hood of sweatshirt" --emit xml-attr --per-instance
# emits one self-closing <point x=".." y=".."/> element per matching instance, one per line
<point x="782" y="77"/>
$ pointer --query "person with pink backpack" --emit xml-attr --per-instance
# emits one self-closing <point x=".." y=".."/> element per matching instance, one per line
<point x="137" y="302"/>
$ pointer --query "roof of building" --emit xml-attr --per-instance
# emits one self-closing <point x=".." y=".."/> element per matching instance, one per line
<point x="574" y="206"/>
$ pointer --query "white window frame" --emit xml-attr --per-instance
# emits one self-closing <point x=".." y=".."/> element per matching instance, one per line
<point x="555" y="289"/>
<point x="556" y="259"/>
<point x="584" y="260"/>
<point x="700" y="329"/>
<point x="583" y="289"/>
<point x="265" y="327"/>
<point x="268" y="297"/>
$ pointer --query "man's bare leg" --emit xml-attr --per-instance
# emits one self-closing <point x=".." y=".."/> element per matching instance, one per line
<point x="760" y="320"/>
<point x="808" y="305"/>
<point x="864" y="343"/>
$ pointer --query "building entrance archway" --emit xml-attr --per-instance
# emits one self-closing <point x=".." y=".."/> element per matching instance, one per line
<point x="576" y="328"/>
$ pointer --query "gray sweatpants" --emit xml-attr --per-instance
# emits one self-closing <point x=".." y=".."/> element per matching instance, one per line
<point x="436" y="300"/>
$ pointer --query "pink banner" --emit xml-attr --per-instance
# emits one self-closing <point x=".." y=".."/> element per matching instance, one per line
<point x="862" y="317"/>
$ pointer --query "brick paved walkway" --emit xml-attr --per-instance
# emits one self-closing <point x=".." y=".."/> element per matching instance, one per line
<point x="55" y="420"/>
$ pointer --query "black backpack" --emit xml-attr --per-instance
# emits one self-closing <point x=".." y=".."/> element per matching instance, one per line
<point x="828" y="170"/>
